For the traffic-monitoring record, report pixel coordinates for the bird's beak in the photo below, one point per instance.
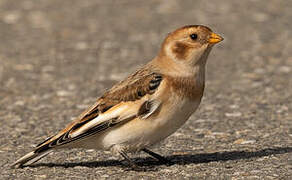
(215, 38)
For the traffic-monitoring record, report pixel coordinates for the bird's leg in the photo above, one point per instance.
(131, 163)
(157, 156)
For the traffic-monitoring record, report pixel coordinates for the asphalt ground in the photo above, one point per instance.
(57, 57)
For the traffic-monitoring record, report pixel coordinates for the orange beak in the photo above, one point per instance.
(215, 38)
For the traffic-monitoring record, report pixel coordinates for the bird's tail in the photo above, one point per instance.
(30, 158)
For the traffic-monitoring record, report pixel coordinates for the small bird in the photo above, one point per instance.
(146, 107)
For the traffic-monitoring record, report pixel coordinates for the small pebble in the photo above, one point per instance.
(63, 93)
(243, 141)
(81, 45)
(234, 114)
(284, 69)
(11, 17)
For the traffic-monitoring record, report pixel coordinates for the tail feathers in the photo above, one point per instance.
(30, 158)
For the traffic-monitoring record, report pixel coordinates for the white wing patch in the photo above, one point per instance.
(120, 112)
(151, 107)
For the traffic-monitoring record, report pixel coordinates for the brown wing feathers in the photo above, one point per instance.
(131, 89)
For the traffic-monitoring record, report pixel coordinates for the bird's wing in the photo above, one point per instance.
(121, 103)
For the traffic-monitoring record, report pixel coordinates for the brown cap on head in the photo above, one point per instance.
(203, 33)
(189, 41)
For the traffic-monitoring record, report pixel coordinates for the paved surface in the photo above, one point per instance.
(57, 57)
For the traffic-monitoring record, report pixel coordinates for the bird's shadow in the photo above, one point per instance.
(179, 159)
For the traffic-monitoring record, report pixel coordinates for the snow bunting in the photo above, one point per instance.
(146, 107)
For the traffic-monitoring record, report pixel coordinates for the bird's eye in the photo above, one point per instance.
(194, 36)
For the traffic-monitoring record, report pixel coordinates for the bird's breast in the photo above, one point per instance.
(173, 115)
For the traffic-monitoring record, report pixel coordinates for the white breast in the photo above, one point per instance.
(139, 133)
(172, 118)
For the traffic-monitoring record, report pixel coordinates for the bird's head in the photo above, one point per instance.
(189, 45)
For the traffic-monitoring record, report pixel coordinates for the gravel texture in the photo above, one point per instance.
(57, 57)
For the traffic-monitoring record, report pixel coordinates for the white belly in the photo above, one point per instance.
(140, 133)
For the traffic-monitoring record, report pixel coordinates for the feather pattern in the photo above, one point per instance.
(107, 112)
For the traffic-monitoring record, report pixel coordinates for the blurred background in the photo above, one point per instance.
(57, 57)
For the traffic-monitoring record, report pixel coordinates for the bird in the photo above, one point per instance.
(146, 107)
